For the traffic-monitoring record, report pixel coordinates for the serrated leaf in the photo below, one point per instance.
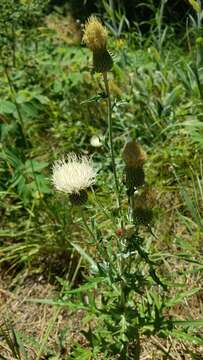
(69, 304)
(180, 335)
(186, 323)
(178, 299)
(96, 98)
(85, 287)
(81, 354)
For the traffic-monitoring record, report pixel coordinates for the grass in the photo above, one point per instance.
(51, 104)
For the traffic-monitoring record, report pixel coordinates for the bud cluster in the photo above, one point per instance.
(141, 198)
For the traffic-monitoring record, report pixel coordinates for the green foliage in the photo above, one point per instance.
(26, 176)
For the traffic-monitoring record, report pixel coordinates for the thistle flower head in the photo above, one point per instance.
(73, 174)
(95, 38)
(95, 34)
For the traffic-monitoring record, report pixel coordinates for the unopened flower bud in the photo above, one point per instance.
(143, 205)
(133, 154)
(102, 61)
(134, 158)
(142, 216)
(134, 178)
(95, 37)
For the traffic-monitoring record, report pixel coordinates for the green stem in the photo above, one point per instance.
(87, 227)
(111, 137)
(72, 282)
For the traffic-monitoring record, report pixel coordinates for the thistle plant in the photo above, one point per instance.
(128, 295)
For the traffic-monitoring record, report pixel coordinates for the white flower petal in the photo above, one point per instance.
(95, 141)
(73, 174)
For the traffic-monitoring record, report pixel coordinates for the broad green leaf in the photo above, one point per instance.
(42, 99)
(7, 107)
(34, 165)
(41, 184)
(23, 96)
(29, 110)
(196, 6)
(8, 130)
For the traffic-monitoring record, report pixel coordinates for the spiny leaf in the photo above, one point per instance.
(180, 335)
(177, 299)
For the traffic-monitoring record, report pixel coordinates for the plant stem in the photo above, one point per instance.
(138, 347)
(111, 136)
(87, 227)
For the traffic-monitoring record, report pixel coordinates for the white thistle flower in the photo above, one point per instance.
(73, 174)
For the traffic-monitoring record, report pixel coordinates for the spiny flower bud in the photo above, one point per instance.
(143, 205)
(134, 177)
(142, 216)
(95, 34)
(133, 154)
(102, 61)
(95, 37)
(134, 158)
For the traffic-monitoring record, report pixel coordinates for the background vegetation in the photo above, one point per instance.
(51, 104)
